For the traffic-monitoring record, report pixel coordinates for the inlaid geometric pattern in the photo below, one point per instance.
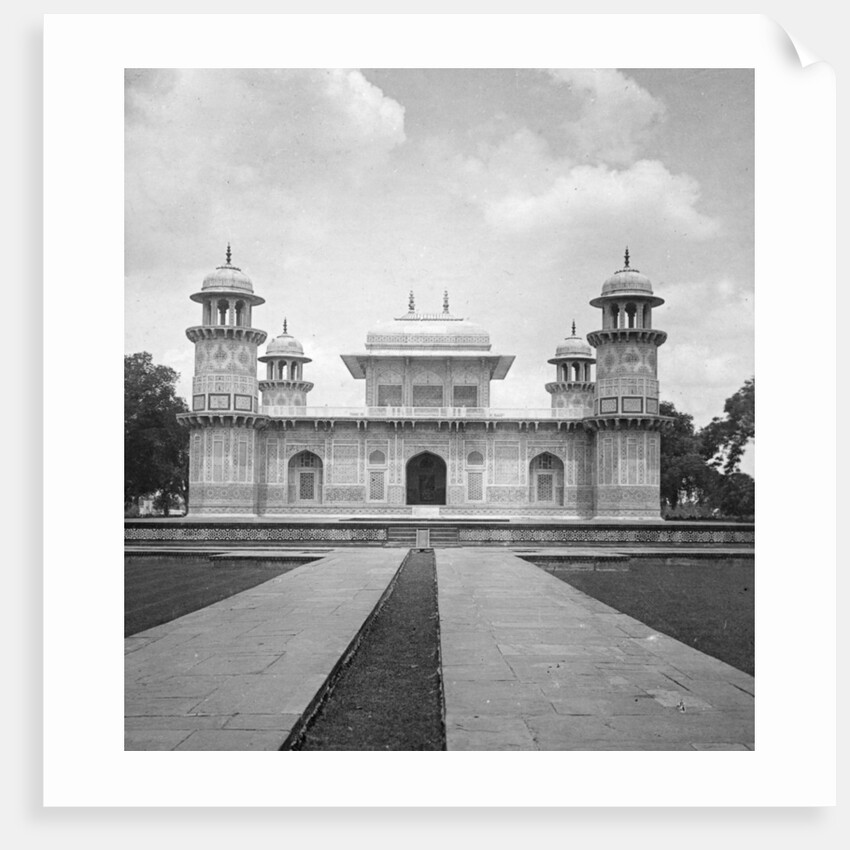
(376, 486)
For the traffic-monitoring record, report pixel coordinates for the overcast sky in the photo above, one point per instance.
(515, 190)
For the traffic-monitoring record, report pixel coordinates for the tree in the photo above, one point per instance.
(685, 476)
(724, 439)
(736, 495)
(156, 447)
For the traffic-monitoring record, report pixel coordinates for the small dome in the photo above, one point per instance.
(573, 347)
(627, 280)
(227, 280)
(228, 277)
(284, 345)
(428, 330)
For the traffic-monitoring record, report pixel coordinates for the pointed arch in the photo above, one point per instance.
(425, 477)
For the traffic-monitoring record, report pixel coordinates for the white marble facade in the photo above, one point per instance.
(426, 434)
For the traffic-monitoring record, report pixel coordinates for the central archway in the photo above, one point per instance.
(426, 480)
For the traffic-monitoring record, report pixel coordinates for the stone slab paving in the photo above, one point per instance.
(530, 663)
(239, 674)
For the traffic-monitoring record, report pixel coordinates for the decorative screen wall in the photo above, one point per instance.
(376, 486)
(389, 395)
(427, 396)
(507, 464)
(344, 468)
(465, 396)
(475, 488)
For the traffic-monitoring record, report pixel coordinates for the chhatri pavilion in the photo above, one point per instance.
(426, 441)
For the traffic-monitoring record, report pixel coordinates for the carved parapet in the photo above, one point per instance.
(619, 421)
(207, 419)
(597, 338)
(251, 335)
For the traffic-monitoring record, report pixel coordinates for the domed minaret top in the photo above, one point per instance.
(573, 387)
(284, 346)
(625, 283)
(284, 385)
(228, 280)
(573, 347)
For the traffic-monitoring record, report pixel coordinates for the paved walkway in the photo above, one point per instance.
(238, 674)
(530, 663)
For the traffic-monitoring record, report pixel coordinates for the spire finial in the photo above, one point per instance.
(574, 327)
(227, 255)
(411, 304)
(445, 301)
(284, 324)
(627, 256)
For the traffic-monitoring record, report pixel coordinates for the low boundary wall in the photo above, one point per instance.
(177, 532)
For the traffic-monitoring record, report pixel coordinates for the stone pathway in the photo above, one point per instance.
(530, 663)
(239, 674)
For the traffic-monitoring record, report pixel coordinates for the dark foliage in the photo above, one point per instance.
(724, 439)
(685, 475)
(699, 468)
(156, 447)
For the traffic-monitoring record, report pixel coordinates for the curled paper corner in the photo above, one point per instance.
(793, 46)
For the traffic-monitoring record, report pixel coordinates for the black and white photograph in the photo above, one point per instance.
(439, 409)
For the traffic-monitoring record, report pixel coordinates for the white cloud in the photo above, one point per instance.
(586, 196)
(521, 188)
(597, 180)
(616, 116)
(256, 152)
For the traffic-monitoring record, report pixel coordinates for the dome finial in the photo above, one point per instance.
(227, 254)
(411, 304)
(574, 327)
(284, 324)
(445, 301)
(627, 256)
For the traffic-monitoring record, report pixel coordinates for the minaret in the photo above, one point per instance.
(626, 400)
(572, 389)
(224, 394)
(284, 385)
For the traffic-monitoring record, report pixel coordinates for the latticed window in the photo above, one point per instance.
(306, 486)
(545, 491)
(308, 460)
(475, 489)
(544, 462)
(376, 486)
(465, 396)
(427, 396)
(389, 395)
(377, 458)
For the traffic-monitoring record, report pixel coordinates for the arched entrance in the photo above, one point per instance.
(546, 480)
(305, 479)
(426, 480)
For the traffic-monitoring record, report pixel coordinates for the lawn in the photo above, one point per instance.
(160, 588)
(705, 603)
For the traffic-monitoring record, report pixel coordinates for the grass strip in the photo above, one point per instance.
(389, 695)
